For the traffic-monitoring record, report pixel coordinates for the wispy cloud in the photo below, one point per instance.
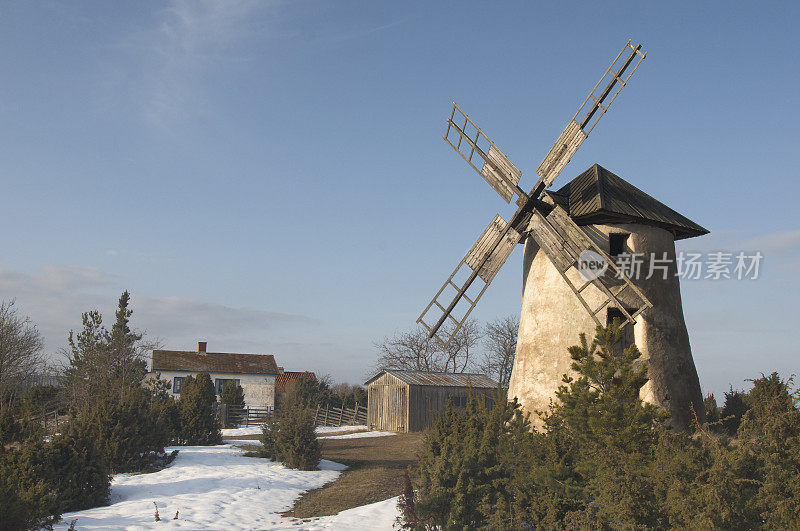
(775, 241)
(187, 42)
(55, 296)
(360, 33)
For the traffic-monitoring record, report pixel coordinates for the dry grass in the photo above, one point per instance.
(375, 473)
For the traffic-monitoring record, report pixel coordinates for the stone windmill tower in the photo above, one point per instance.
(625, 223)
(546, 220)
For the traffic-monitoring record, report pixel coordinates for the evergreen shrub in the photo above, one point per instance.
(291, 439)
(198, 419)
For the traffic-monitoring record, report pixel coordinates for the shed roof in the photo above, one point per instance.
(598, 196)
(183, 360)
(439, 379)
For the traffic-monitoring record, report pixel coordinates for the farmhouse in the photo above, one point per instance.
(256, 373)
(404, 401)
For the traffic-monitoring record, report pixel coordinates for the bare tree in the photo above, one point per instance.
(500, 346)
(462, 347)
(20, 350)
(414, 351)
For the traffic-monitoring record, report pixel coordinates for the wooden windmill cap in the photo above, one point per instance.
(599, 197)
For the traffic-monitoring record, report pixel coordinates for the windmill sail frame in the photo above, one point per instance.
(484, 259)
(497, 170)
(561, 236)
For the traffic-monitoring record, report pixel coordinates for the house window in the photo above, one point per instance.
(221, 383)
(177, 383)
(616, 243)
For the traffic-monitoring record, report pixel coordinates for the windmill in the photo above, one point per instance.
(558, 236)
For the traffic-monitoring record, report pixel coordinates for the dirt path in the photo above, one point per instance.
(375, 473)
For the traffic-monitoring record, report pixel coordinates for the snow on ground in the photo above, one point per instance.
(217, 487)
(359, 435)
(238, 442)
(256, 430)
(329, 429)
(238, 432)
(379, 515)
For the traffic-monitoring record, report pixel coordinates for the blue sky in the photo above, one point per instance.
(270, 176)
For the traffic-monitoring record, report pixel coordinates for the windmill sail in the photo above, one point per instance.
(475, 147)
(455, 300)
(586, 117)
(563, 242)
(556, 233)
(494, 237)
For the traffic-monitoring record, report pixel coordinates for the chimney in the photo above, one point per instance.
(201, 347)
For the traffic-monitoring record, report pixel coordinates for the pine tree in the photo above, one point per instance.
(712, 409)
(232, 395)
(128, 367)
(198, 420)
(464, 468)
(39, 480)
(606, 460)
(770, 432)
(295, 442)
(86, 376)
(406, 505)
(268, 439)
(132, 433)
(103, 365)
(733, 410)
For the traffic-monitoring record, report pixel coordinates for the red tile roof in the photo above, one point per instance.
(182, 360)
(286, 378)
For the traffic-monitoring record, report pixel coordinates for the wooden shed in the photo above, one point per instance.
(403, 401)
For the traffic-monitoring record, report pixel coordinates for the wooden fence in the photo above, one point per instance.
(244, 415)
(50, 420)
(338, 416)
(323, 416)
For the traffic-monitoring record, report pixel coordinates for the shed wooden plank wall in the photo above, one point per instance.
(427, 402)
(388, 404)
(399, 407)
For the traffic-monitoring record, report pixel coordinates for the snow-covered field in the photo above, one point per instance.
(238, 432)
(216, 487)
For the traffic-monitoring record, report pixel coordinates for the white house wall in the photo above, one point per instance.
(259, 389)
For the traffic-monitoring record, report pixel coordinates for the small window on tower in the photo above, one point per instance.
(616, 243)
(614, 313)
(627, 331)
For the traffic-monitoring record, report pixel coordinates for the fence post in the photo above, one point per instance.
(326, 416)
